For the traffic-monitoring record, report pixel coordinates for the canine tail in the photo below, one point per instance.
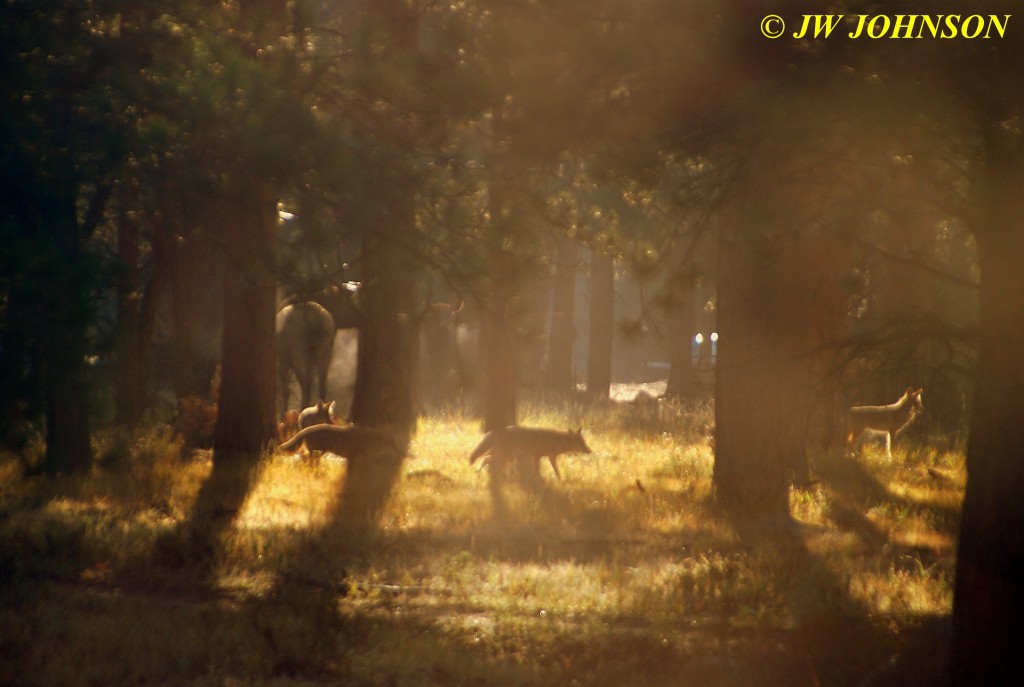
(296, 441)
(482, 448)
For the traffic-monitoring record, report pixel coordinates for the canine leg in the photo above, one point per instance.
(888, 445)
(554, 466)
(528, 469)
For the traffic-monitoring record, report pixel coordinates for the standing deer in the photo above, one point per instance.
(305, 337)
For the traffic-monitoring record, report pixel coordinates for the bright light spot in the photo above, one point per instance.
(699, 338)
(714, 336)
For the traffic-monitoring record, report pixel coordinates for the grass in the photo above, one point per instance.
(623, 573)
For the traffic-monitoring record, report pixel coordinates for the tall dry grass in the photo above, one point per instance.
(621, 573)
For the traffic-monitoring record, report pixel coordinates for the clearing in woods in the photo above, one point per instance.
(622, 573)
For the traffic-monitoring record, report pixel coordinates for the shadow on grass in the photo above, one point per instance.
(302, 628)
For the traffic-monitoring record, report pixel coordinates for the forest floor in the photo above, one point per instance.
(622, 573)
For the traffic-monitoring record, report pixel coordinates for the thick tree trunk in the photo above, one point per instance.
(245, 410)
(989, 593)
(68, 446)
(385, 367)
(602, 324)
(197, 312)
(383, 395)
(752, 423)
(62, 339)
(559, 375)
(780, 318)
(498, 351)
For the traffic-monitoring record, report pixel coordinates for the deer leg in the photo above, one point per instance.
(282, 380)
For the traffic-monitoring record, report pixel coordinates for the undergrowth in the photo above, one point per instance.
(621, 573)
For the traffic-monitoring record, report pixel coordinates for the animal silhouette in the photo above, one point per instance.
(305, 337)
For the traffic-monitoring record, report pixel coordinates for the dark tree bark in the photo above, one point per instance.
(136, 316)
(602, 324)
(988, 599)
(752, 427)
(383, 394)
(682, 376)
(499, 349)
(197, 312)
(781, 311)
(388, 339)
(65, 306)
(245, 409)
(559, 375)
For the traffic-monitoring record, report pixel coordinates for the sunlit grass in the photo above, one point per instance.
(618, 568)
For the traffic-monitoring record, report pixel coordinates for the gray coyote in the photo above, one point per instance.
(526, 446)
(347, 442)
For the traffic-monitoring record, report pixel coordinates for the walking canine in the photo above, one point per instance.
(889, 420)
(346, 442)
(526, 446)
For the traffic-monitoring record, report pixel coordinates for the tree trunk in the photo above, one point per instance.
(780, 317)
(388, 338)
(752, 427)
(388, 341)
(127, 402)
(197, 312)
(682, 377)
(136, 317)
(245, 409)
(499, 345)
(149, 311)
(498, 351)
(62, 339)
(988, 599)
(602, 324)
(559, 375)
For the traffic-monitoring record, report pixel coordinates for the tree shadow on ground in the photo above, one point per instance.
(841, 638)
(870, 490)
(195, 543)
(301, 628)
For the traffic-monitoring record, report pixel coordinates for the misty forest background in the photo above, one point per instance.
(581, 186)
